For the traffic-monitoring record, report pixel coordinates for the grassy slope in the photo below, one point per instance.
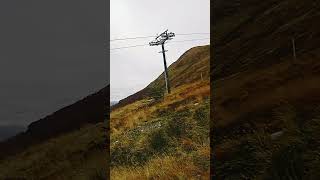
(78, 155)
(167, 138)
(187, 69)
(258, 90)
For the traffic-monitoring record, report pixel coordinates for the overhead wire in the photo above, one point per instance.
(188, 40)
(126, 47)
(129, 38)
(141, 45)
(192, 34)
(143, 37)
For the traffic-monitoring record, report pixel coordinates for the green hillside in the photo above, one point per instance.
(188, 68)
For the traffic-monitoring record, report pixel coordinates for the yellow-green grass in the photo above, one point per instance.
(131, 115)
(165, 139)
(164, 167)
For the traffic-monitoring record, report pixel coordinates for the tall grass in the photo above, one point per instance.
(292, 156)
(170, 145)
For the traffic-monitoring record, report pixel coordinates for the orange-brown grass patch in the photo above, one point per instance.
(129, 116)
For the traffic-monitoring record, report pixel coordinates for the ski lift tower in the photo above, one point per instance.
(161, 40)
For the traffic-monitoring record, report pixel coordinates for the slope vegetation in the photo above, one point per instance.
(266, 102)
(164, 136)
(187, 69)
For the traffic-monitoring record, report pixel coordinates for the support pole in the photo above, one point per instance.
(166, 75)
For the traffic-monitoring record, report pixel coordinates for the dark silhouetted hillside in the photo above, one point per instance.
(90, 110)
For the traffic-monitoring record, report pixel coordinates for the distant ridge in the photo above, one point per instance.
(7, 131)
(113, 103)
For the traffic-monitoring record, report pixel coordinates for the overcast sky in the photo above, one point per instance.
(134, 68)
(51, 55)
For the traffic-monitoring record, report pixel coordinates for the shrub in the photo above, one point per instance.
(129, 154)
(201, 115)
(201, 130)
(119, 155)
(157, 93)
(158, 140)
(179, 124)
